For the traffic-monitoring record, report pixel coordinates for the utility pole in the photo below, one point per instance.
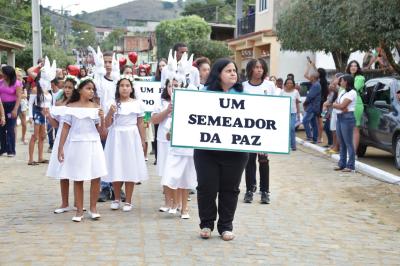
(36, 32)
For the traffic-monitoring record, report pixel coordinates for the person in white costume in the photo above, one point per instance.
(39, 99)
(55, 117)
(124, 146)
(175, 164)
(106, 74)
(83, 157)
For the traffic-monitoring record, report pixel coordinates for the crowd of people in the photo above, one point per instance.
(98, 130)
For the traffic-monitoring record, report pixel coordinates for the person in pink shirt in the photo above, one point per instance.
(10, 96)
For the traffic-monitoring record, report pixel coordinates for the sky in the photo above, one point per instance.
(86, 5)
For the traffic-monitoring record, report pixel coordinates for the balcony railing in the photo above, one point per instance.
(246, 25)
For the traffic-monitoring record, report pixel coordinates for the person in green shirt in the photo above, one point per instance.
(354, 69)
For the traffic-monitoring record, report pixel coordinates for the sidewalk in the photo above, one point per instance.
(316, 217)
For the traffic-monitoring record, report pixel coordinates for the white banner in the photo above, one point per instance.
(149, 92)
(226, 121)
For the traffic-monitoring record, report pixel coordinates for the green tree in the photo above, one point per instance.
(221, 11)
(16, 22)
(340, 27)
(116, 37)
(184, 29)
(23, 58)
(210, 49)
(380, 22)
(328, 26)
(84, 34)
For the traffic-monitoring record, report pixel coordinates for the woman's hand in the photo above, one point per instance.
(46, 112)
(169, 108)
(113, 109)
(101, 113)
(168, 136)
(2, 120)
(61, 155)
(14, 113)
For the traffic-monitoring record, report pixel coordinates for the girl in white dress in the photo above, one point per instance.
(83, 157)
(125, 141)
(55, 118)
(162, 116)
(179, 174)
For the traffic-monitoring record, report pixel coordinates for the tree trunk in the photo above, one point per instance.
(340, 58)
(389, 56)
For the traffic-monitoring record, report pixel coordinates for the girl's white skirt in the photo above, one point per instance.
(83, 160)
(162, 152)
(53, 170)
(124, 156)
(179, 172)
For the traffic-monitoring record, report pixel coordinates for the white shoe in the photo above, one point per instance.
(185, 216)
(163, 209)
(172, 211)
(77, 218)
(114, 205)
(127, 207)
(62, 210)
(146, 159)
(94, 216)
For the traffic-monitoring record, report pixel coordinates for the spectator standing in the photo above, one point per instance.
(345, 107)
(353, 68)
(10, 96)
(289, 90)
(312, 105)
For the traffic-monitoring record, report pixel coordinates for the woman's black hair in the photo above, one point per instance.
(359, 72)
(349, 80)
(157, 76)
(80, 76)
(75, 94)
(324, 85)
(39, 90)
(125, 67)
(288, 80)
(73, 86)
(9, 72)
(252, 64)
(164, 94)
(214, 81)
(118, 95)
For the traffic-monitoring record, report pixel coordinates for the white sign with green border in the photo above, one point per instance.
(149, 92)
(230, 121)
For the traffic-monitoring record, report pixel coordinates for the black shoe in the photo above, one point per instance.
(264, 197)
(155, 162)
(123, 196)
(248, 197)
(104, 195)
(254, 189)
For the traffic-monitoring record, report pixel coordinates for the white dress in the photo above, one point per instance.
(123, 150)
(83, 154)
(53, 170)
(162, 142)
(179, 171)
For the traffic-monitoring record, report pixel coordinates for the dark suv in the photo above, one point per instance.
(380, 125)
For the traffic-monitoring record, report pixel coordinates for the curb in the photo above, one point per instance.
(360, 167)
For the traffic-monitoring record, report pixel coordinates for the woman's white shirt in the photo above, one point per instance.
(352, 96)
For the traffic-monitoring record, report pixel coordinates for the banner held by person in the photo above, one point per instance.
(149, 92)
(225, 121)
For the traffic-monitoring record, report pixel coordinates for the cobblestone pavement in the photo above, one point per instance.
(316, 217)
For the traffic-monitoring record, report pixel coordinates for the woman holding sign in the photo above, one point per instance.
(219, 172)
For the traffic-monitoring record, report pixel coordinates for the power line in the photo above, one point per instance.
(26, 22)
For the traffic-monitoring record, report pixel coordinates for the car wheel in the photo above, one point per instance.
(362, 149)
(397, 153)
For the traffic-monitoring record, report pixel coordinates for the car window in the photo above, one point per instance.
(382, 93)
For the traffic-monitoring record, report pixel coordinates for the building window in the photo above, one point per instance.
(263, 5)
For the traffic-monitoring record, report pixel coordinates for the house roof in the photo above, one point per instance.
(9, 45)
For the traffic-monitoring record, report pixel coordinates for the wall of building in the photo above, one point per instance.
(264, 19)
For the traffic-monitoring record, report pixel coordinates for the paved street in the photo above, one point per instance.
(316, 217)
